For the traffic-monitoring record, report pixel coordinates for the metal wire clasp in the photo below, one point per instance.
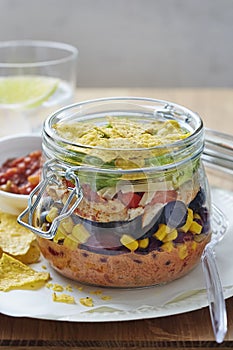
(52, 172)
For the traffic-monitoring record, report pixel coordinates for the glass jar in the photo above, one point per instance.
(124, 199)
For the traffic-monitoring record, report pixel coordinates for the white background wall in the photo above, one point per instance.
(158, 43)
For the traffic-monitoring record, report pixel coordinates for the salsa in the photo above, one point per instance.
(20, 175)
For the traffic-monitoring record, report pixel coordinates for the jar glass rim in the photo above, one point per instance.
(175, 107)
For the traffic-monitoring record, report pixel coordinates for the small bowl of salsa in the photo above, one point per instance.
(20, 166)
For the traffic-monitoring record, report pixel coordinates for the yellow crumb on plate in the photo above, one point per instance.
(79, 288)
(96, 292)
(86, 301)
(69, 288)
(57, 287)
(63, 298)
(106, 297)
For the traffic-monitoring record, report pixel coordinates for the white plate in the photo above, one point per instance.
(183, 295)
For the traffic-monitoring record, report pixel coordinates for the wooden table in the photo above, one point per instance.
(185, 331)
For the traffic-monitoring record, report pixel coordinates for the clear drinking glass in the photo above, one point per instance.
(36, 78)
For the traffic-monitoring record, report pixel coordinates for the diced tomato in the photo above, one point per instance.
(69, 184)
(164, 197)
(15, 173)
(129, 199)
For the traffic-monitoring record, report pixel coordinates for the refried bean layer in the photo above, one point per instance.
(122, 270)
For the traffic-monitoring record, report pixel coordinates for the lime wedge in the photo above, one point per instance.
(26, 91)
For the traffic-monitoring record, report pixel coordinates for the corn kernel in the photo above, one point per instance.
(143, 243)
(67, 224)
(194, 245)
(52, 214)
(195, 228)
(62, 230)
(199, 238)
(59, 236)
(182, 251)
(168, 246)
(70, 242)
(162, 231)
(196, 216)
(129, 242)
(189, 221)
(170, 236)
(80, 233)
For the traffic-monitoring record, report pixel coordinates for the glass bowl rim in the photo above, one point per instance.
(72, 52)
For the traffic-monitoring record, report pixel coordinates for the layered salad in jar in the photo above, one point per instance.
(143, 218)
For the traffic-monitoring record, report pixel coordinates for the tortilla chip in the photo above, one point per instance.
(32, 256)
(16, 275)
(16, 240)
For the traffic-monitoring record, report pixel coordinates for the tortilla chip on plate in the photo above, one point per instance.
(32, 255)
(16, 240)
(16, 275)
